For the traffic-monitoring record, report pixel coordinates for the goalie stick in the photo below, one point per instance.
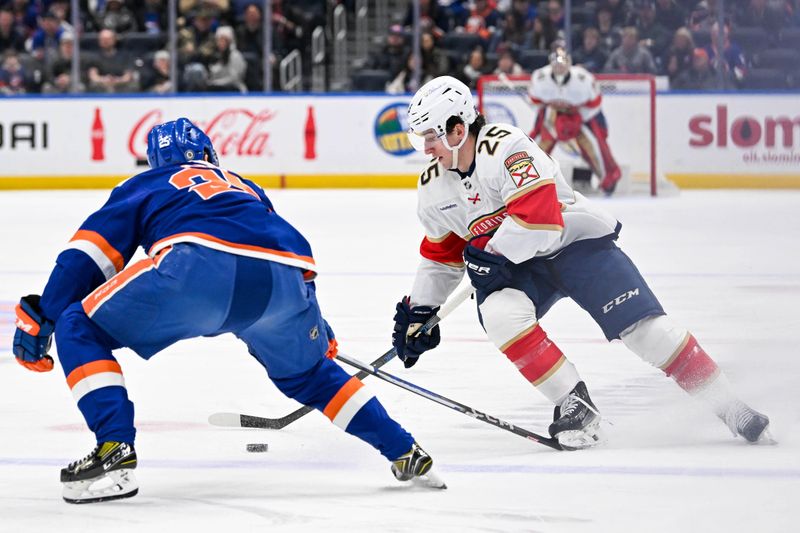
(225, 419)
(456, 406)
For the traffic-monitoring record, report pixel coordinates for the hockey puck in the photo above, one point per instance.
(256, 447)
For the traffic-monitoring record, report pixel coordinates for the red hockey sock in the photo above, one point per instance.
(691, 368)
(534, 355)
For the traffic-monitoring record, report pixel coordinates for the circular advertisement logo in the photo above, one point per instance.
(391, 126)
(496, 112)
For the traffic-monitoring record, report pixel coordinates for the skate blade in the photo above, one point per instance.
(430, 480)
(765, 439)
(580, 439)
(115, 485)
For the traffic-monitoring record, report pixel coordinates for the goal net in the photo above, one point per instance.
(629, 105)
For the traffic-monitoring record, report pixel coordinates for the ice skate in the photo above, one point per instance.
(417, 466)
(748, 423)
(609, 183)
(103, 475)
(576, 422)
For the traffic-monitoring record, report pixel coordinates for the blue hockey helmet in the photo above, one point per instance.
(176, 142)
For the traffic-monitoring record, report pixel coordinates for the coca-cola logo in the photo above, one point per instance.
(239, 132)
(743, 131)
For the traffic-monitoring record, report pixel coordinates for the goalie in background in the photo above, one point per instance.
(220, 260)
(568, 111)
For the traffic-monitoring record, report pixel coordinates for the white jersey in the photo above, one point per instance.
(515, 191)
(578, 91)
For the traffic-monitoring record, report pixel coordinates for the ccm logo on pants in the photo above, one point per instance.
(619, 299)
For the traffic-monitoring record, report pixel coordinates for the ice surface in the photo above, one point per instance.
(725, 264)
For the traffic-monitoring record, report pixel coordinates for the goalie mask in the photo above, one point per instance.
(178, 141)
(560, 61)
(432, 105)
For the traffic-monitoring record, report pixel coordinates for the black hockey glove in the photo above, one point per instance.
(487, 272)
(410, 347)
(33, 335)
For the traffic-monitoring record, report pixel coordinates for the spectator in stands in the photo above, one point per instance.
(58, 80)
(543, 34)
(44, 43)
(228, 68)
(702, 16)
(110, 70)
(484, 20)
(114, 15)
(219, 9)
(250, 33)
(670, 14)
(555, 13)
(620, 11)
(434, 60)
(680, 55)
(630, 57)
(287, 27)
(10, 36)
(26, 16)
(507, 63)
(590, 55)
(524, 12)
(13, 79)
(431, 14)
(151, 16)
(196, 41)
(474, 68)
(394, 54)
(700, 77)
(731, 62)
(60, 8)
(652, 34)
(515, 33)
(404, 81)
(760, 13)
(610, 33)
(155, 78)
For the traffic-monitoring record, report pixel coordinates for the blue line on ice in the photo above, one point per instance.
(688, 471)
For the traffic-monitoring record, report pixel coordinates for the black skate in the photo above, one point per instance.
(576, 422)
(416, 466)
(748, 423)
(103, 475)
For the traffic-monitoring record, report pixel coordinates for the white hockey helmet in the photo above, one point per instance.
(433, 104)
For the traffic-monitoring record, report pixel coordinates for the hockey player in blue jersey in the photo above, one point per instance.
(220, 260)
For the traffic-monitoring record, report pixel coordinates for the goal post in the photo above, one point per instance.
(629, 106)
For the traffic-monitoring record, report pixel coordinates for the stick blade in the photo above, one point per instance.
(225, 420)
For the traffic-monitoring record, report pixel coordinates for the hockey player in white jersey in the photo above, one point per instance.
(496, 205)
(568, 109)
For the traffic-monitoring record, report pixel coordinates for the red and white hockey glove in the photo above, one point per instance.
(568, 126)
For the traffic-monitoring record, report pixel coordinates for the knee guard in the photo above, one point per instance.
(509, 318)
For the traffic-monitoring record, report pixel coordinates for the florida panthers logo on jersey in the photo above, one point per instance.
(520, 167)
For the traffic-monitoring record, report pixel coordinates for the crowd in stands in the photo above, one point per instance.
(123, 44)
(123, 48)
(678, 39)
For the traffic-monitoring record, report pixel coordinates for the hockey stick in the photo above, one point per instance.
(456, 406)
(258, 422)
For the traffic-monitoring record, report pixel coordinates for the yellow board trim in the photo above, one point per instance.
(268, 181)
(735, 181)
(390, 181)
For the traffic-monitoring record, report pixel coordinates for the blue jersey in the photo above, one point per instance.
(193, 202)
